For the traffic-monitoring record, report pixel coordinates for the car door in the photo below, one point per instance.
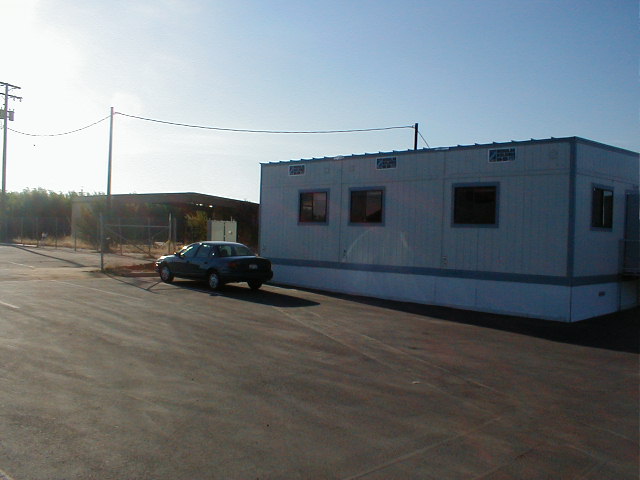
(182, 266)
(199, 264)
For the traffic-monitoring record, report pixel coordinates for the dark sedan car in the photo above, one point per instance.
(218, 263)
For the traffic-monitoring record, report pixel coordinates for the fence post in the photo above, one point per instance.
(174, 232)
(101, 240)
(169, 237)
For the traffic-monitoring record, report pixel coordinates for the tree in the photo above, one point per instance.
(197, 226)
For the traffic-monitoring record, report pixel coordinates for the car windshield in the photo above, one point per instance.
(189, 250)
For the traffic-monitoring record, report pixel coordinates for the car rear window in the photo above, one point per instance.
(242, 251)
(234, 251)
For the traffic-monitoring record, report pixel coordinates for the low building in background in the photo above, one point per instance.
(190, 213)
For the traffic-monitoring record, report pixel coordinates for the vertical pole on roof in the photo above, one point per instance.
(415, 137)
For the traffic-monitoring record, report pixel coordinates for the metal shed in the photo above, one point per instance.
(220, 208)
(540, 228)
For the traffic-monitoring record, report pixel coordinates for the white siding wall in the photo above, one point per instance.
(532, 238)
(281, 236)
(594, 300)
(550, 302)
(597, 252)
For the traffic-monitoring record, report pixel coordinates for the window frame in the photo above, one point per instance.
(496, 222)
(382, 206)
(326, 210)
(603, 226)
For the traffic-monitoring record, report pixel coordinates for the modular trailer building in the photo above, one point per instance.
(539, 228)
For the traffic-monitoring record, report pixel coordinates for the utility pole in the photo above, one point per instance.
(5, 118)
(107, 213)
(109, 165)
(415, 137)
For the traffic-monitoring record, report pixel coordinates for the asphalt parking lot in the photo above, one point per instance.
(110, 377)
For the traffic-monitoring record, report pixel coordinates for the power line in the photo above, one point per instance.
(423, 139)
(245, 130)
(63, 133)
(223, 129)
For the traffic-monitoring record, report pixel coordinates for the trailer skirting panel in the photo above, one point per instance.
(557, 300)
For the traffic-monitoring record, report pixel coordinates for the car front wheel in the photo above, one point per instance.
(214, 281)
(165, 274)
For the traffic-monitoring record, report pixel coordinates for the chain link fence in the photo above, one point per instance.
(39, 231)
(147, 235)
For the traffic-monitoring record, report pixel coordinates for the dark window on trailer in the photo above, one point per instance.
(313, 207)
(475, 205)
(602, 208)
(366, 206)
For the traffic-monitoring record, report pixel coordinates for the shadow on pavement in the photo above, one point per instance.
(245, 294)
(32, 251)
(618, 331)
(130, 282)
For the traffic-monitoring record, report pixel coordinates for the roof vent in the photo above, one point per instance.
(296, 170)
(385, 163)
(499, 155)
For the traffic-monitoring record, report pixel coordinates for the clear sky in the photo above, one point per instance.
(468, 71)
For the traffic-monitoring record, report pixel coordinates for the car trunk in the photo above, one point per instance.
(249, 264)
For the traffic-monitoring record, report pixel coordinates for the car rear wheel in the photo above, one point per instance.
(165, 274)
(253, 285)
(214, 281)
